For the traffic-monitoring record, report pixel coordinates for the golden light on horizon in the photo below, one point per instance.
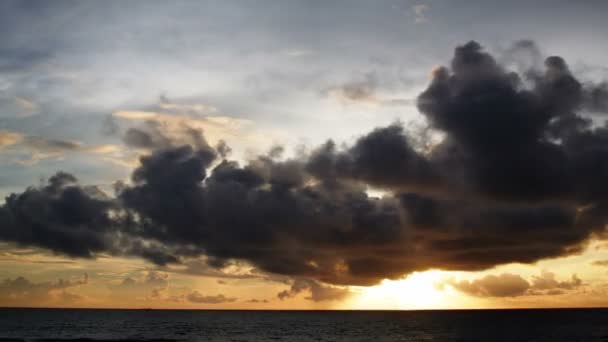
(418, 291)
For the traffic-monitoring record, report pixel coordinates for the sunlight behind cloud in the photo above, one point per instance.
(420, 290)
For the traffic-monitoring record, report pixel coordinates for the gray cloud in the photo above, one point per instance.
(600, 263)
(504, 285)
(547, 281)
(365, 90)
(197, 297)
(255, 300)
(151, 285)
(513, 285)
(51, 145)
(21, 290)
(317, 292)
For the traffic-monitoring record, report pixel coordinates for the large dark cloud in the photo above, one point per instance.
(519, 175)
(61, 216)
(71, 219)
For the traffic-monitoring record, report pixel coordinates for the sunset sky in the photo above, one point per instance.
(393, 154)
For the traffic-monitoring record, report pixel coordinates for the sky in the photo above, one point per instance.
(393, 154)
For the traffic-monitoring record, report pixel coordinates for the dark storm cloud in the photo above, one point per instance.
(597, 97)
(496, 130)
(263, 212)
(518, 175)
(383, 158)
(469, 234)
(60, 216)
(72, 220)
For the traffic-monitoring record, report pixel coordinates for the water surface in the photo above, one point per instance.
(194, 325)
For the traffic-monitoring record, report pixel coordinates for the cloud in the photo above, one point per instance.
(318, 292)
(356, 91)
(9, 138)
(51, 145)
(420, 11)
(22, 291)
(504, 285)
(513, 285)
(28, 107)
(155, 286)
(31, 256)
(70, 219)
(151, 285)
(174, 121)
(518, 175)
(547, 281)
(364, 91)
(216, 268)
(258, 301)
(40, 147)
(600, 263)
(597, 97)
(60, 216)
(525, 55)
(197, 297)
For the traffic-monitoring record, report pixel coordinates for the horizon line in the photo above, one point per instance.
(304, 310)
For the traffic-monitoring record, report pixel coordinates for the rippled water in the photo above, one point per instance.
(186, 325)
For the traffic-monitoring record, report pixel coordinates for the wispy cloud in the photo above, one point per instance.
(197, 297)
(420, 11)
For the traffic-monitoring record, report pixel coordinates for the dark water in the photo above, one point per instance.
(134, 325)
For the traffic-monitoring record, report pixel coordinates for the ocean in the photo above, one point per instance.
(195, 325)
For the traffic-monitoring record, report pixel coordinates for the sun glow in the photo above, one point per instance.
(419, 290)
